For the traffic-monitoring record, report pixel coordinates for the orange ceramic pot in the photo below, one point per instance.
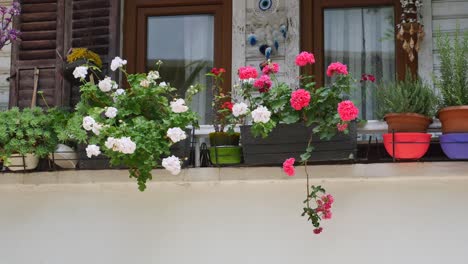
(454, 119)
(407, 122)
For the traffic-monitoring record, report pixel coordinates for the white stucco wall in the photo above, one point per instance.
(378, 219)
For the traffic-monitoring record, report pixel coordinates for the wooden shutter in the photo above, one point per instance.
(50, 28)
(94, 24)
(41, 24)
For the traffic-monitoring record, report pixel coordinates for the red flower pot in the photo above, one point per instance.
(407, 145)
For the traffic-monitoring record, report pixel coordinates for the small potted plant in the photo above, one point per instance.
(25, 136)
(134, 127)
(284, 118)
(81, 57)
(224, 141)
(407, 106)
(453, 86)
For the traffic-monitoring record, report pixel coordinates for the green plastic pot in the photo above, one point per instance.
(224, 139)
(225, 155)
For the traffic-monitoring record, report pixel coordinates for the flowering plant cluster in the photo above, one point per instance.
(134, 127)
(8, 34)
(271, 102)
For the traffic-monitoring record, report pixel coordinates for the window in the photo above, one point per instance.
(359, 33)
(190, 37)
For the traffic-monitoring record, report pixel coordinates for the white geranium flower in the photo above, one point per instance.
(80, 72)
(153, 76)
(119, 92)
(111, 112)
(247, 81)
(88, 123)
(96, 128)
(117, 62)
(261, 115)
(107, 84)
(163, 84)
(145, 83)
(176, 134)
(178, 106)
(110, 143)
(172, 164)
(92, 150)
(239, 109)
(126, 145)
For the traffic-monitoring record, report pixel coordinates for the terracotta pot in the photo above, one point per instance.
(407, 122)
(454, 119)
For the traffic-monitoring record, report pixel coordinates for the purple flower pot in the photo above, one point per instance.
(455, 145)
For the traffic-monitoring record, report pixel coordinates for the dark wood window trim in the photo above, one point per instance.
(312, 32)
(135, 28)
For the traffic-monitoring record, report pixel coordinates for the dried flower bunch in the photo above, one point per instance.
(411, 29)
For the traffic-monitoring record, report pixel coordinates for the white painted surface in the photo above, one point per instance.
(412, 219)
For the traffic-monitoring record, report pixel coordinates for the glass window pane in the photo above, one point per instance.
(185, 44)
(363, 39)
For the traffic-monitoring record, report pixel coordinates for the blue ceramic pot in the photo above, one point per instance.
(455, 145)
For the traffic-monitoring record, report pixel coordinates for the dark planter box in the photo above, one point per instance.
(287, 141)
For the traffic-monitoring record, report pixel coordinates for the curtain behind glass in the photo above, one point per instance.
(185, 44)
(363, 39)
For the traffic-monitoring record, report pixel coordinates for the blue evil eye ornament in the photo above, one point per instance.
(252, 39)
(283, 30)
(265, 50)
(264, 5)
(276, 43)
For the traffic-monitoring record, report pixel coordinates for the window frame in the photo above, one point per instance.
(135, 29)
(312, 34)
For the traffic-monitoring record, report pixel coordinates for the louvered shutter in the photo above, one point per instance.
(41, 24)
(94, 25)
(50, 28)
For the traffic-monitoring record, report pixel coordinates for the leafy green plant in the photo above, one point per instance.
(27, 131)
(453, 79)
(134, 127)
(411, 95)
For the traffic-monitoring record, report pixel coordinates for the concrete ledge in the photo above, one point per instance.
(353, 172)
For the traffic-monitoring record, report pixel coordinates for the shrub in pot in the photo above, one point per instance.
(134, 127)
(224, 142)
(452, 81)
(453, 85)
(407, 105)
(25, 136)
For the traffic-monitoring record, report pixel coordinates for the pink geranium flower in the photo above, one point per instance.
(338, 68)
(288, 167)
(318, 230)
(300, 99)
(271, 68)
(347, 111)
(342, 127)
(304, 58)
(263, 83)
(247, 72)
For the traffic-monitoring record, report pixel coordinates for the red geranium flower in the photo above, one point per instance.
(338, 68)
(227, 105)
(300, 99)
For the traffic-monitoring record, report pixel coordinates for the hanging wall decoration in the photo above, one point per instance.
(410, 30)
(267, 28)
